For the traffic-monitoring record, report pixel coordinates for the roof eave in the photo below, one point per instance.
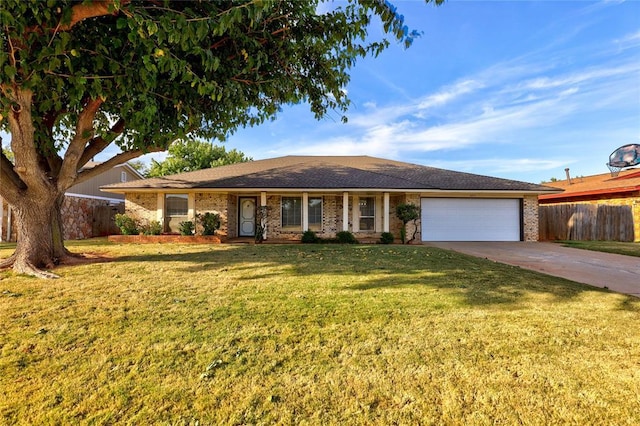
(611, 191)
(350, 189)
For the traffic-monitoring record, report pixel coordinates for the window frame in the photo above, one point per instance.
(368, 217)
(291, 227)
(176, 213)
(315, 226)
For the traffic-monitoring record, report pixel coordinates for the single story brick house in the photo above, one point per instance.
(330, 194)
(596, 207)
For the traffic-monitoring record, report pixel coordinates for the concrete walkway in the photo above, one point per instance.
(616, 272)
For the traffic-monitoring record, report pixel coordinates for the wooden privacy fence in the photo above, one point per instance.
(586, 222)
(104, 220)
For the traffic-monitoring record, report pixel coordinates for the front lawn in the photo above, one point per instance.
(306, 334)
(616, 247)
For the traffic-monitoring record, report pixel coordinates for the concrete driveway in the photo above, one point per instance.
(613, 271)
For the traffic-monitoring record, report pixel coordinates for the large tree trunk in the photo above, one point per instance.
(39, 234)
(31, 186)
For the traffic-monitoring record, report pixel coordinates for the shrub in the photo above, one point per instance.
(127, 225)
(153, 228)
(407, 213)
(187, 228)
(210, 223)
(346, 237)
(262, 214)
(310, 237)
(386, 238)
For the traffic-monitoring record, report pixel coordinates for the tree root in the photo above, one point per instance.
(8, 262)
(29, 269)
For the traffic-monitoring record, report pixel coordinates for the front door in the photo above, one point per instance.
(247, 215)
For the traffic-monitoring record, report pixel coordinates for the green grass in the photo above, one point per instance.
(306, 334)
(616, 247)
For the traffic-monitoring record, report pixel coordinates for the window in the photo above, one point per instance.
(176, 210)
(123, 176)
(367, 213)
(315, 214)
(292, 213)
(177, 204)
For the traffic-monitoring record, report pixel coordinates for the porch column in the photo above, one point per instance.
(305, 211)
(160, 208)
(263, 205)
(355, 214)
(385, 212)
(345, 211)
(191, 205)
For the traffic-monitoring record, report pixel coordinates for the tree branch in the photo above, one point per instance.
(83, 133)
(10, 182)
(98, 144)
(82, 11)
(116, 160)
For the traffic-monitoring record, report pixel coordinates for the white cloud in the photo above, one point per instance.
(505, 165)
(449, 94)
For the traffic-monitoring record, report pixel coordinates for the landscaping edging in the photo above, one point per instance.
(159, 239)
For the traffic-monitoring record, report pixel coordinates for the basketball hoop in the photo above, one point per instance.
(614, 170)
(624, 157)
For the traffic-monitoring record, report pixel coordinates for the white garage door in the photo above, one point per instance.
(464, 219)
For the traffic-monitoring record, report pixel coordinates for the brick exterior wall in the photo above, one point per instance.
(77, 217)
(414, 199)
(232, 217)
(332, 214)
(142, 207)
(530, 218)
(214, 203)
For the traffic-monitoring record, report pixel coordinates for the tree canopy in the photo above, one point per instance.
(79, 77)
(190, 155)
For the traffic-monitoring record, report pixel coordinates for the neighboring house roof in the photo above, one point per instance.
(92, 164)
(327, 172)
(596, 186)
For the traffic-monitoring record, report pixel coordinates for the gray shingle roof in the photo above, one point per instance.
(331, 173)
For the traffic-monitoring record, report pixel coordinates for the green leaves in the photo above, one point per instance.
(190, 155)
(175, 68)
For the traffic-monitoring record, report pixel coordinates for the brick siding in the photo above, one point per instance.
(144, 207)
(530, 218)
(214, 203)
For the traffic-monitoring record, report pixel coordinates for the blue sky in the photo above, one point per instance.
(511, 89)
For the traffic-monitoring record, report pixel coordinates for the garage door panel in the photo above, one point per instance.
(463, 219)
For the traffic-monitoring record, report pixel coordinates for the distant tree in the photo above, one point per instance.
(131, 76)
(190, 155)
(139, 166)
(553, 179)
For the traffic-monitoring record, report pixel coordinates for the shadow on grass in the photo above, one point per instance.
(471, 280)
(499, 287)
